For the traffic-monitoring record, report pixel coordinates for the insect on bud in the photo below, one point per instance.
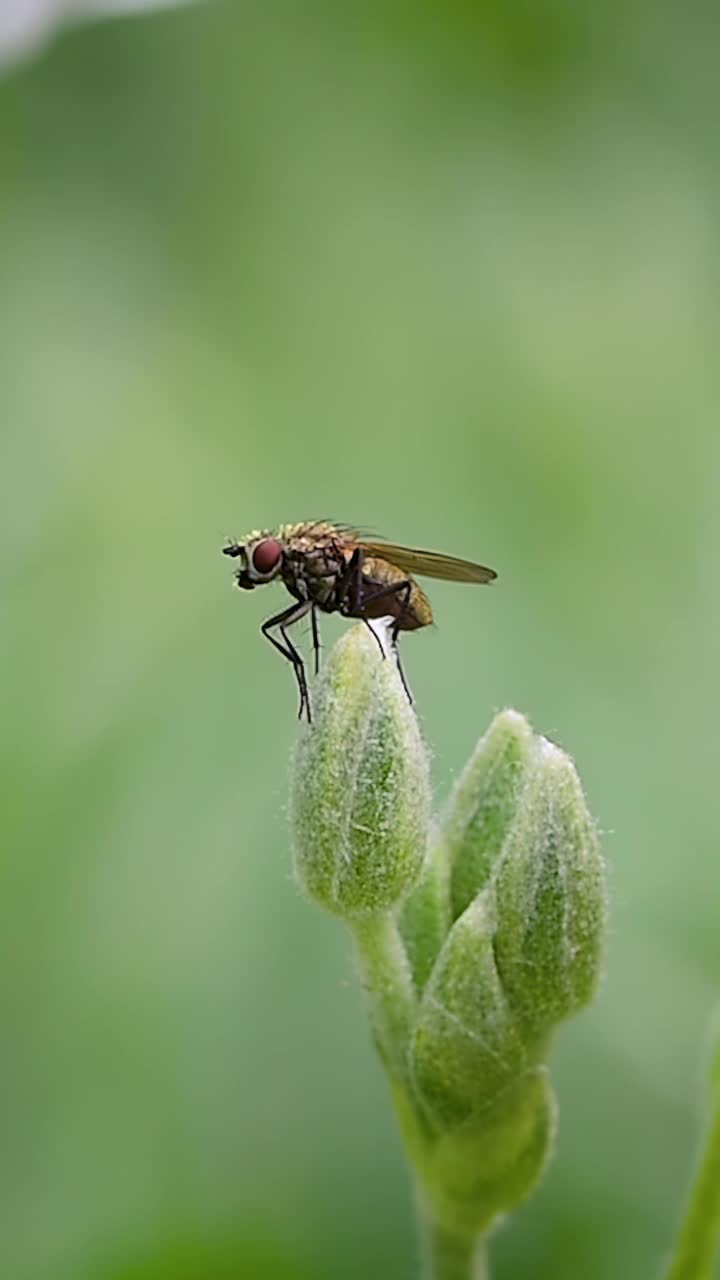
(360, 795)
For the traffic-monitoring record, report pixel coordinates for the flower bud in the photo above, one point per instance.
(360, 799)
(551, 897)
(466, 1047)
(425, 916)
(491, 1163)
(483, 804)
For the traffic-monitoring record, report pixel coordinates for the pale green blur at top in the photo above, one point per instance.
(450, 272)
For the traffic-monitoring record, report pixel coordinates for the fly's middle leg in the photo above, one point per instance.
(315, 637)
(404, 590)
(355, 607)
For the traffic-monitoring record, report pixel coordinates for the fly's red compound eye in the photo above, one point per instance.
(266, 555)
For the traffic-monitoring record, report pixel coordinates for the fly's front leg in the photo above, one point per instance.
(299, 666)
(288, 650)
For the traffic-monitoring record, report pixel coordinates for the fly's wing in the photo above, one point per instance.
(429, 563)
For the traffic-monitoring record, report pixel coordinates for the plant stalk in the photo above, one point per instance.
(698, 1238)
(387, 978)
(449, 1256)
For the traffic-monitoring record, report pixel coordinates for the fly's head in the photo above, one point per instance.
(260, 557)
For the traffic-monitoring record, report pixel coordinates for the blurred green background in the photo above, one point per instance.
(449, 271)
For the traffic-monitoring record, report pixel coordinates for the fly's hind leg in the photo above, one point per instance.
(394, 637)
(401, 673)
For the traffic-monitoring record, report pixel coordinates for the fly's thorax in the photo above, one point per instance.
(307, 534)
(311, 570)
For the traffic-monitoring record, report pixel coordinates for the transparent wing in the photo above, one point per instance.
(429, 563)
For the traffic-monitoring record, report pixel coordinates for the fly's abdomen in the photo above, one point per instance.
(408, 606)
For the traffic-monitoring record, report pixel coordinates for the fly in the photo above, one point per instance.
(333, 568)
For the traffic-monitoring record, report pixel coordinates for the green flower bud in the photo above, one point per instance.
(360, 798)
(466, 1047)
(551, 897)
(425, 917)
(483, 804)
(494, 1160)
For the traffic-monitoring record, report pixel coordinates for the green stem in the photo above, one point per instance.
(448, 1256)
(698, 1239)
(386, 976)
